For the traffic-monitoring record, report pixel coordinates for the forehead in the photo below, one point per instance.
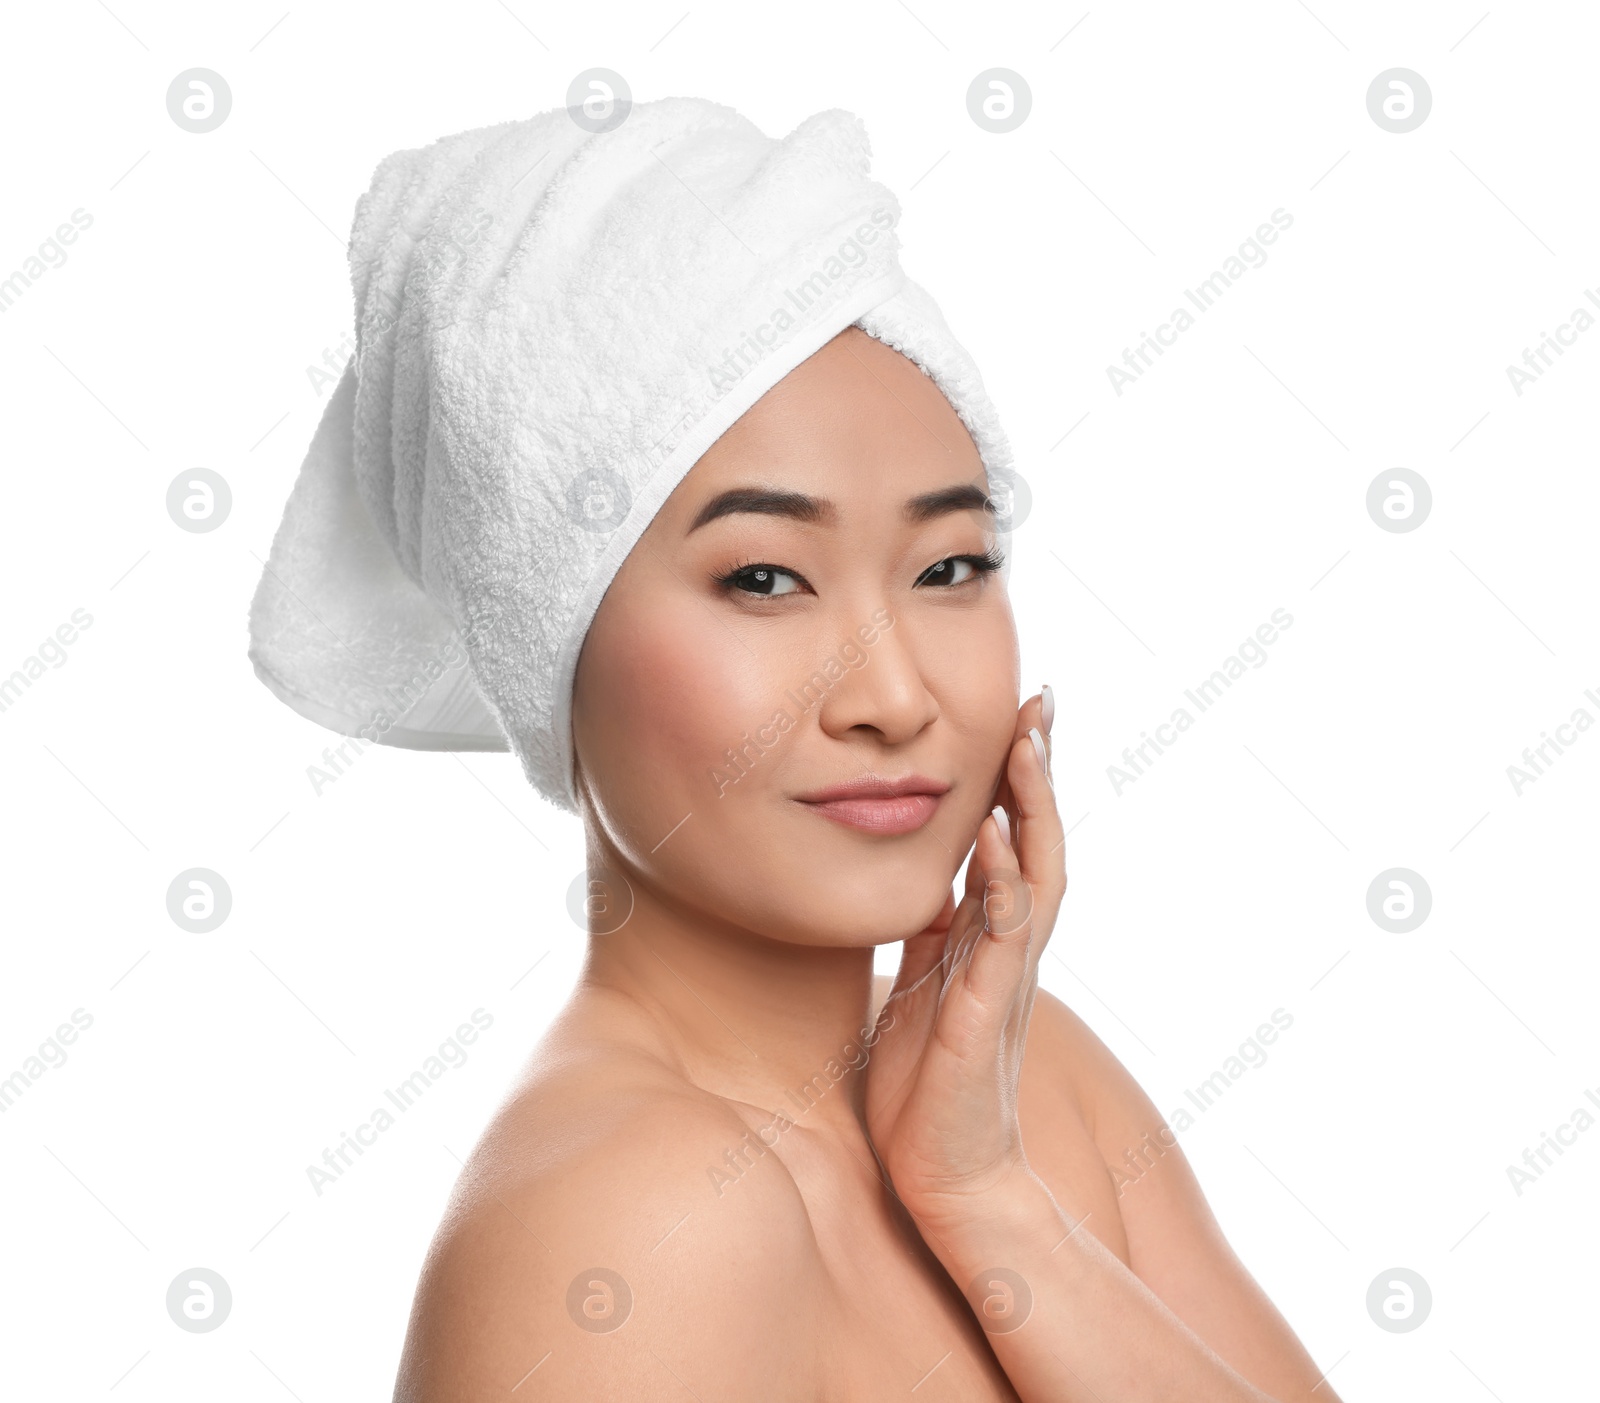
(856, 422)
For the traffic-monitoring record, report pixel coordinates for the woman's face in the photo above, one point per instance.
(833, 625)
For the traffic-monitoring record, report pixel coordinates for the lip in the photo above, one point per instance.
(876, 805)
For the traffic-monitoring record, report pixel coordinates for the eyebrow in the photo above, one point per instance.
(765, 501)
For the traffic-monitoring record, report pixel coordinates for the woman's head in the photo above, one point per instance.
(554, 325)
(835, 618)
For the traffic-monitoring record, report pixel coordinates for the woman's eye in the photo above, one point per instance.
(764, 580)
(958, 569)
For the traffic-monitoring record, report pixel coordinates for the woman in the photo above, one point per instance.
(737, 1165)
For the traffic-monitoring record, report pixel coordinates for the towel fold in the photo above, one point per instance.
(552, 325)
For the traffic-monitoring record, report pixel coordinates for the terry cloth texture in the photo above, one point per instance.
(552, 325)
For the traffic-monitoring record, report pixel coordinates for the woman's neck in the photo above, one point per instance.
(779, 1026)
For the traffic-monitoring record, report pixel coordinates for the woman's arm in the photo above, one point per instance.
(1067, 1321)
(1174, 1242)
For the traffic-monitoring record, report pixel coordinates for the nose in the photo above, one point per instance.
(883, 689)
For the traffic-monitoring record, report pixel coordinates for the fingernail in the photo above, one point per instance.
(1001, 819)
(1038, 749)
(1047, 708)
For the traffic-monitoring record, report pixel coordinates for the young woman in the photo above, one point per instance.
(726, 1173)
(776, 674)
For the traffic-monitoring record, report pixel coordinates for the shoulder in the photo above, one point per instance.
(1075, 1059)
(615, 1229)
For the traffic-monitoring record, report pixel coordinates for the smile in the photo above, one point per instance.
(904, 814)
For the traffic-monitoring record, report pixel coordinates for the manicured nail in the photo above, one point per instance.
(1038, 749)
(1047, 708)
(1001, 819)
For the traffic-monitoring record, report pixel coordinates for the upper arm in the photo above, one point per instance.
(1175, 1244)
(617, 1270)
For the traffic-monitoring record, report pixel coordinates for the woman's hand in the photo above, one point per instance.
(941, 1086)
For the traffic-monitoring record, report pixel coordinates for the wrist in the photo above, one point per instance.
(961, 1227)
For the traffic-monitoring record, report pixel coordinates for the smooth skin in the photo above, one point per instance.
(738, 1166)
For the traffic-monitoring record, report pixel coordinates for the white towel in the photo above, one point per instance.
(552, 325)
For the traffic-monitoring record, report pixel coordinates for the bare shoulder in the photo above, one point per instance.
(1076, 1058)
(603, 1240)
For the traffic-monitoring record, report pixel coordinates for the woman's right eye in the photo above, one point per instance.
(763, 580)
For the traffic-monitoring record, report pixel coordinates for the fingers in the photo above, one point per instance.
(914, 995)
(999, 967)
(1040, 839)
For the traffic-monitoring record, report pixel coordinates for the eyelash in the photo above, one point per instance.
(984, 564)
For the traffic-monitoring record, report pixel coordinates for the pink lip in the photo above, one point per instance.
(904, 814)
(878, 805)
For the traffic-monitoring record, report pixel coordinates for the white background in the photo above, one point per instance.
(1230, 880)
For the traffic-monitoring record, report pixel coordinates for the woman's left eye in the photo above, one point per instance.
(955, 570)
(763, 580)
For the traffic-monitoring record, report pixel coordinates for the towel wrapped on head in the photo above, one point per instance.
(552, 325)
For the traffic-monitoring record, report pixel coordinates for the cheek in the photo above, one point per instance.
(978, 671)
(662, 700)
(974, 670)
